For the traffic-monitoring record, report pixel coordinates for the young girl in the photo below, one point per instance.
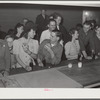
(72, 48)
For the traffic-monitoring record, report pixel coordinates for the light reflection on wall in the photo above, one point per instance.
(89, 15)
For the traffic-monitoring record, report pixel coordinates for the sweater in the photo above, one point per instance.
(43, 54)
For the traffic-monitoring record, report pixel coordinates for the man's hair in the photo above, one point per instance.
(58, 34)
(51, 20)
(87, 23)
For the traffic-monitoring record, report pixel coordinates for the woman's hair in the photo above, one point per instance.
(29, 25)
(58, 34)
(72, 31)
(18, 25)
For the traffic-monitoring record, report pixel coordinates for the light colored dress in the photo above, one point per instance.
(18, 50)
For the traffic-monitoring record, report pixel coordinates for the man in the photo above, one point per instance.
(4, 58)
(50, 50)
(41, 22)
(86, 40)
(46, 34)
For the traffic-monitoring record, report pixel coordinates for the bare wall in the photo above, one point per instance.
(10, 16)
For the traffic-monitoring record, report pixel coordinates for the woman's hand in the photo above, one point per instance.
(25, 47)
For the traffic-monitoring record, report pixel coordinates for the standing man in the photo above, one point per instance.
(41, 22)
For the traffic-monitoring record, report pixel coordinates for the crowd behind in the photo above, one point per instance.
(46, 41)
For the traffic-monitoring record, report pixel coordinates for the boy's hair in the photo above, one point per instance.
(58, 34)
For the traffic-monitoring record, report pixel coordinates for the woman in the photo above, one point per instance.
(72, 48)
(19, 28)
(26, 48)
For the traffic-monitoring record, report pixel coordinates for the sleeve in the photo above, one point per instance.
(82, 47)
(36, 47)
(92, 44)
(67, 49)
(40, 51)
(7, 57)
(42, 37)
(16, 47)
(58, 55)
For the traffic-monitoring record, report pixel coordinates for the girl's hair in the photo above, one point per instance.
(72, 31)
(29, 25)
(18, 25)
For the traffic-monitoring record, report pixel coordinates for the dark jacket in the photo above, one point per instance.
(4, 56)
(85, 40)
(41, 22)
(65, 36)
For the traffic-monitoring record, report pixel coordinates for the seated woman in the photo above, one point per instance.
(97, 41)
(72, 48)
(10, 40)
(26, 48)
(4, 58)
(50, 50)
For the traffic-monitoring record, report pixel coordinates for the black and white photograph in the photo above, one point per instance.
(49, 44)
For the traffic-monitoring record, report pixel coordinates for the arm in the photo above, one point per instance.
(92, 44)
(42, 37)
(57, 56)
(19, 61)
(36, 48)
(40, 56)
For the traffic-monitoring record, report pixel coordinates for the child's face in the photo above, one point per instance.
(10, 42)
(76, 35)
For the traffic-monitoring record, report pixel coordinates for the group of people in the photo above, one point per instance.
(47, 42)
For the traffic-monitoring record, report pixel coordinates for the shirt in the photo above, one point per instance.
(18, 50)
(43, 54)
(45, 35)
(72, 48)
